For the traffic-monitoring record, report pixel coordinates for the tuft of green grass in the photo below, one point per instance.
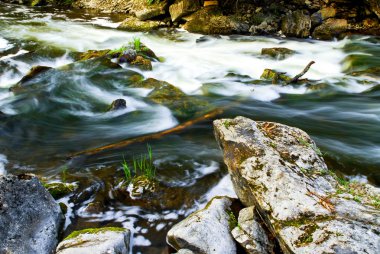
(127, 171)
(137, 43)
(142, 165)
(232, 221)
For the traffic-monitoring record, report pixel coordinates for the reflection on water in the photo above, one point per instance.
(64, 111)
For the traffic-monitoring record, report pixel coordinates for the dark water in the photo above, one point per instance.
(63, 113)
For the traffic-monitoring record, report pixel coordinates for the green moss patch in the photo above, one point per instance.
(94, 231)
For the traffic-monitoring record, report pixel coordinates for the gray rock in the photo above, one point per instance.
(118, 104)
(96, 241)
(296, 24)
(29, 216)
(250, 234)
(205, 231)
(278, 169)
(181, 8)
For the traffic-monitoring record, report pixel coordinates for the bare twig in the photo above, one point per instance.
(297, 77)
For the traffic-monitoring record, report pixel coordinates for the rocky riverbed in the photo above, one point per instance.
(111, 133)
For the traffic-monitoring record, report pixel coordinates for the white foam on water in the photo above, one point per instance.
(20, 52)
(104, 22)
(223, 188)
(3, 44)
(3, 162)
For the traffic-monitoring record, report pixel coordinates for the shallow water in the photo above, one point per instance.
(64, 113)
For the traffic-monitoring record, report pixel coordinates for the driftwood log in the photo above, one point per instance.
(148, 137)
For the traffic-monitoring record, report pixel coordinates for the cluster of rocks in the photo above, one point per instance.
(294, 204)
(320, 19)
(31, 220)
(288, 202)
(317, 18)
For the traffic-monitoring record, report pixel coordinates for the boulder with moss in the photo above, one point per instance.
(30, 219)
(207, 230)
(59, 190)
(134, 53)
(182, 105)
(149, 193)
(96, 240)
(280, 170)
(134, 24)
(212, 21)
(275, 76)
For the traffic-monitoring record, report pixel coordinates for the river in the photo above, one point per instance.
(66, 114)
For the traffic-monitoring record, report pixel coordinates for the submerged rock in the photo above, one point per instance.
(96, 240)
(183, 106)
(34, 72)
(205, 231)
(117, 105)
(279, 53)
(279, 169)
(250, 233)
(59, 190)
(29, 217)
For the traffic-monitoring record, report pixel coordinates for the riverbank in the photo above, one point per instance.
(323, 20)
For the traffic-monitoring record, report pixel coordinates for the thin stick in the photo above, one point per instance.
(297, 77)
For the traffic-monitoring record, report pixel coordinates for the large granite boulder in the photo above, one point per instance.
(206, 231)
(96, 241)
(29, 217)
(279, 169)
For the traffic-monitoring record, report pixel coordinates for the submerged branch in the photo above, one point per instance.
(147, 137)
(297, 77)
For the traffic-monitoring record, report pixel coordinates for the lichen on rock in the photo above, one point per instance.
(280, 170)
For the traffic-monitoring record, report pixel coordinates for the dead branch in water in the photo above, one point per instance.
(297, 77)
(147, 137)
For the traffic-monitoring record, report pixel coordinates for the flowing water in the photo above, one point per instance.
(65, 113)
